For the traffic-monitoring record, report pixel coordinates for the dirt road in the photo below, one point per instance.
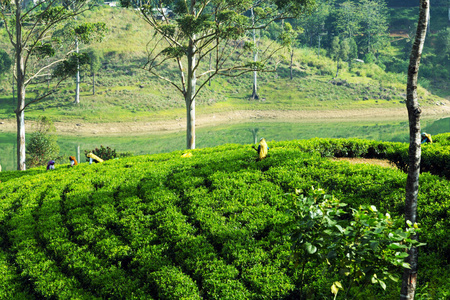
(149, 127)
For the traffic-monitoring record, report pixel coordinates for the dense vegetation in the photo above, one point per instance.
(215, 225)
(125, 92)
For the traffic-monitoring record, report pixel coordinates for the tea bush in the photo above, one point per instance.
(442, 139)
(106, 153)
(217, 225)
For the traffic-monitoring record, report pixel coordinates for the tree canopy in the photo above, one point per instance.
(189, 31)
(5, 62)
(42, 36)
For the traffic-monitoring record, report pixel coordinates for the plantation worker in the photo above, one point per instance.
(73, 161)
(426, 138)
(51, 165)
(188, 154)
(93, 157)
(262, 150)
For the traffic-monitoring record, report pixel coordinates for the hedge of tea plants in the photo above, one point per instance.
(216, 225)
(435, 157)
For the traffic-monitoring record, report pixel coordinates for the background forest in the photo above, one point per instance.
(363, 41)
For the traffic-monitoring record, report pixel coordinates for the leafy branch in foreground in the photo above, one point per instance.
(359, 246)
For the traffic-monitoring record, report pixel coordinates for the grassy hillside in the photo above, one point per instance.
(125, 92)
(216, 225)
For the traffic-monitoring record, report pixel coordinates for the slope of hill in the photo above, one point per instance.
(126, 92)
(216, 225)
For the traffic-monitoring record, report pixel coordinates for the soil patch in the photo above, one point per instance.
(368, 161)
(232, 117)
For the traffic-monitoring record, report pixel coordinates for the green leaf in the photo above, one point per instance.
(331, 254)
(396, 246)
(374, 245)
(393, 278)
(340, 228)
(310, 248)
(374, 278)
(401, 254)
(334, 289)
(383, 285)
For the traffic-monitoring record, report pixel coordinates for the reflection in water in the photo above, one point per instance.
(238, 133)
(439, 126)
(254, 132)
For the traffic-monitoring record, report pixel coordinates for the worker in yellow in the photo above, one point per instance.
(92, 157)
(262, 150)
(188, 154)
(426, 138)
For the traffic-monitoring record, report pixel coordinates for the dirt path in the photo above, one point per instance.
(367, 161)
(149, 127)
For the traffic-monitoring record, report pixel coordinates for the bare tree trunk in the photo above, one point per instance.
(20, 118)
(291, 64)
(20, 76)
(77, 149)
(189, 97)
(210, 66)
(255, 135)
(337, 69)
(77, 90)
(255, 59)
(93, 83)
(13, 90)
(412, 183)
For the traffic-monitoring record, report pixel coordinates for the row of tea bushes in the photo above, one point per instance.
(211, 226)
(442, 139)
(435, 157)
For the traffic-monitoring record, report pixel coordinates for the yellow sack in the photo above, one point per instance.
(93, 156)
(188, 154)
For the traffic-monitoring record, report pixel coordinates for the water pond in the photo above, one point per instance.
(243, 133)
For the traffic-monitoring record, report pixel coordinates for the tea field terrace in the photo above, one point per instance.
(215, 225)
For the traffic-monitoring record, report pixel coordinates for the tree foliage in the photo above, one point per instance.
(39, 33)
(202, 28)
(360, 245)
(5, 62)
(42, 145)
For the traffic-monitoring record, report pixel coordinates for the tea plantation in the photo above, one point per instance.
(219, 225)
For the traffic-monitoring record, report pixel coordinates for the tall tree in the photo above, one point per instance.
(442, 46)
(348, 19)
(5, 62)
(255, 57)
(290, 39)
(339, 51)
(314, 24)
(35, 31)
(95, 63)
(412, 182)
(201, 27)
(374, 25)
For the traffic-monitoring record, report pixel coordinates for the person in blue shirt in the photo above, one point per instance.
(426, 138)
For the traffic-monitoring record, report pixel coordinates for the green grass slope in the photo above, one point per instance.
(212, 226)
(126, 92)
